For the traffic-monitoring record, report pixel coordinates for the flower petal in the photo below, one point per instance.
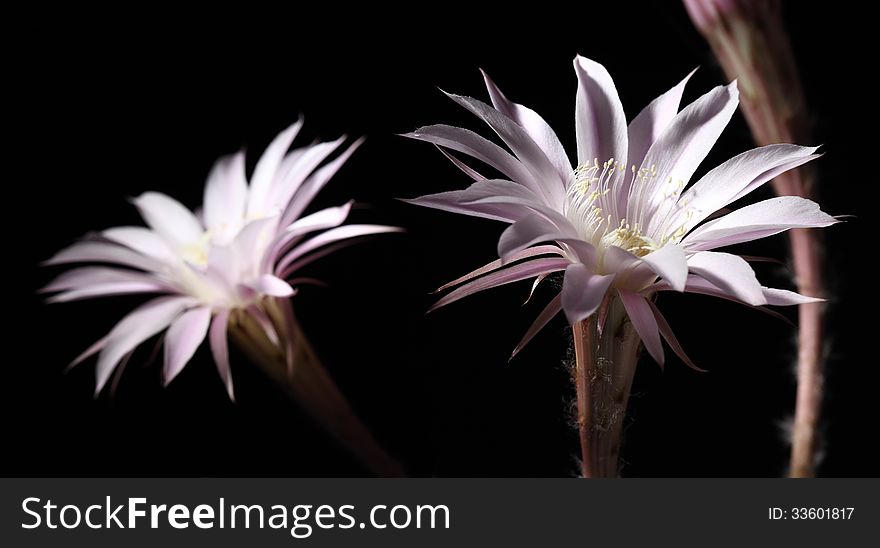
(599, 118)
(653, 121)
(729, 273)
(535, 126)
(642, 318)
(142, 240)
(476, 146)
(173, 222)
(495, 265)
(183, 338)
(93, 275)
(452, 202)
(546, 181)
(226, 193)
(553, 308)
(266, 170)
(510, 274)
(582, 292)
(306, 192)
(268, 284)
(737, 177)
(524, 233)
(220, 349)
(758, 221)
(671, 340)
(783, 297)
(670, 263)
(101, 252)
(135, 328)
(288, 183)
(674, 157)
(332, 235)
(109, 289)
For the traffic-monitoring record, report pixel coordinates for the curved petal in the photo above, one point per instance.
(95, 275)
(306, 192)
(553, 308)
(652, 121)
(737, 177)
(475, 146)
(226, 193)
(670, 337)
(332, 235)
(599, 118)
(220, 349)
(783, 297)
(495, 265)
(524, 233)
(514, 273)
(535, 126)
(100, 252)
(582, 292)
(452, 202)
(183, 338)
(142, 240)
(642, 318)
(109, 289)
(673, 158)
(758, 221)
(268, 284)
(670, 263)
(135, 328)
(266, 170)
(173, 222)
(546, 181)
(288, 183)
(729, 273)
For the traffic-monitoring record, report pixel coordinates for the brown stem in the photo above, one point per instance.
(750, 42)
(606, 351)
(310, 386)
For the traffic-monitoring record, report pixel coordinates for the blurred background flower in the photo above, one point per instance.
(229, 270)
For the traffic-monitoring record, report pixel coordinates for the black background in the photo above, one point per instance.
(108, 105)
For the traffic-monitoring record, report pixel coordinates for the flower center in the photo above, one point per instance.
(587, 207)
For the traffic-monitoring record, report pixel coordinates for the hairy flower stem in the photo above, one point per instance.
(606, 351)
(306, 381)
(750, 42)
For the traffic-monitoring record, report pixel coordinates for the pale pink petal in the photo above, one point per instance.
(599, 118)
(524, 233)
(266, 170)
(469, 171)
(476, 146)
(168, 218)
(226, 193)
(510, 274)
(535, 285)
(643, 321)
(653, 121)
(306, 192)
(783, 297)
(670, 263)
(268, 284)
(312, 257)
(671, 340)
(535, 127)
(320, 220)
(495, 191)
(332, 235)
(729, 273)
(288, 183)
(451, 201)
(182, 339)
(582, 292)
(142, 240)
(674, 157)
(100, 252)
(90, 351)
(553, 308)
(546, 181)
(135, 328)
(737, 177)
(91, 275)
(495, 265)
(220, 349)
(758, 221)
(109, 289)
